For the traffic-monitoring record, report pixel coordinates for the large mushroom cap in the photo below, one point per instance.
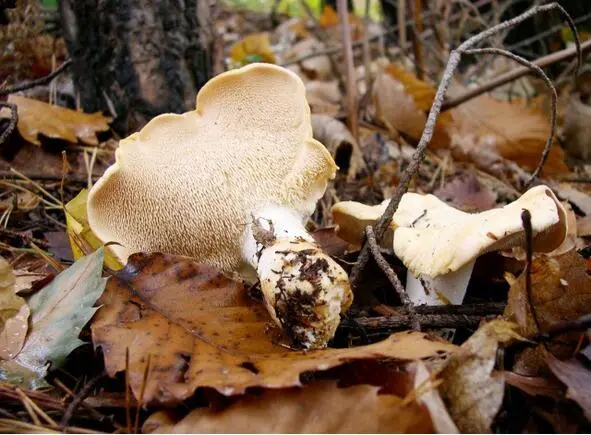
(188, 184)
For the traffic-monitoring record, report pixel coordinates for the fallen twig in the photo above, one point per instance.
(38, 82)
(433, 321)
(559, 56)
(526, 220)
(416, 41)
(351, 88)
(544, 77)
(392, 277)
(412, 168)
(74, 404)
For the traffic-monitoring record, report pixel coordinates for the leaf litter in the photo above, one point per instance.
(180, 331)
(205, 331)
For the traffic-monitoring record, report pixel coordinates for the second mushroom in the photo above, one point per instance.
(231, 184)
(440, 244)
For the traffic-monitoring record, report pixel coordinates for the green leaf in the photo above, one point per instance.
(58, 313)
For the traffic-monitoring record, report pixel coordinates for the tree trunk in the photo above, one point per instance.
(136, 59)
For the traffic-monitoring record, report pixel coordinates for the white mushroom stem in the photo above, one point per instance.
(442, 290)
(304, 289)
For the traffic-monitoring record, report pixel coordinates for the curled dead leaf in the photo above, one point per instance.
(339, 141)
(201, 329)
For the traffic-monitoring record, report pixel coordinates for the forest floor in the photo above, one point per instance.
(88, 346)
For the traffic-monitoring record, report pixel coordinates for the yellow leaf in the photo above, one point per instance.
(253, 48)
(329, 17)
(81, 236)
(37, 117)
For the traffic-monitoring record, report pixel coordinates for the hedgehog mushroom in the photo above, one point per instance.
(231, 184)
(440, 244)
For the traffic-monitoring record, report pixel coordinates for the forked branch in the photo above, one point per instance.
(452, 64)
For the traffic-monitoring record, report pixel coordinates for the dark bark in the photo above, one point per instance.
(136, 58)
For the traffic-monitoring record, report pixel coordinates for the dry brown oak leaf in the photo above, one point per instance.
(198, 328)
(561, 290)
(37, 117)
(321, 407)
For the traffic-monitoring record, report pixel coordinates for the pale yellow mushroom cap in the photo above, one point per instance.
(433, 238)
(188, 184)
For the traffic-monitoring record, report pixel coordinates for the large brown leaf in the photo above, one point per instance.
(318, 408)
(201, 329)
(37, 117)
(485, 129)
(561, 290)
(402, 102)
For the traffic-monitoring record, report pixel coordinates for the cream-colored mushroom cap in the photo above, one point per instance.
(188, 184)
(433, 238)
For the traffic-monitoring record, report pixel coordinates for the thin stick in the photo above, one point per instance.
(548, 82)
(37, 185)
(392, 277)
(38, 82)
(503, 79)
(416, 42)
(28, 407)
(12, 121)
(82, 394)
(412, 168)
(39, 411)
(401, 16)
(526, 221)
(352, 110)
(366, 54)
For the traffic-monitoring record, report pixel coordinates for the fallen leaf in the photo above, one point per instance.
(561, 290)
(81, 237)
(58, 313)
(428, 395)
(201, 329)
(329, 17)
(399, 101)
(23, 201)
(577, 378)
(467, 193)
(339, 141)
(314, 67)
(321, 407)
(323, 97)
(37, 117)
(484, 125)
(576, 127)
(14, 314)
(584, 226)
(253, 48)
(473, 394)
(579, 199)
(534, 385)
(27, 282)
